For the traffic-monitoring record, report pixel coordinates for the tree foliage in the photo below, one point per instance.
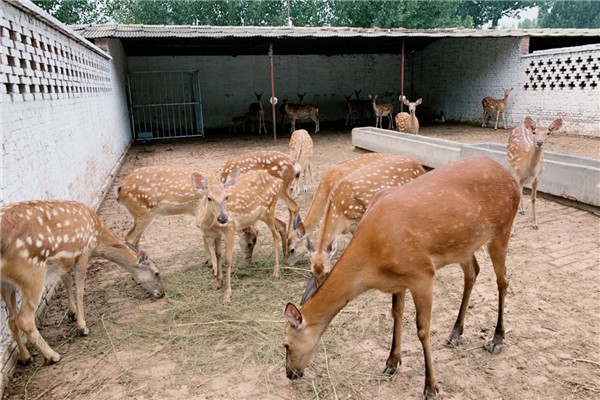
(569, 14)
(74, 11)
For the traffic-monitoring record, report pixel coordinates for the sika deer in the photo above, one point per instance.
(257, 112)
(232, 206)
(349, 200)
(363, 105)
(353, 108)
(148, 192)
(276, 163)
(301, 151)
(41, 240)
(382, 110)
(408, 122)
(406, 235)
(526, 157)
(495, 106)
(303, 229)
(301, 111)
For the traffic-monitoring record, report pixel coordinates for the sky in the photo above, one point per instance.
(529, 13)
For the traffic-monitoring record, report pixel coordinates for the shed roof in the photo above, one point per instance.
(245, 40)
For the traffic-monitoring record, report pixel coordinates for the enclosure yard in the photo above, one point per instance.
(189, 345)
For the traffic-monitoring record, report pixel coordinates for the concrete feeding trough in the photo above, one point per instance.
(567, 176)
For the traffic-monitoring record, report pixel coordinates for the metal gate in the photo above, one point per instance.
(165, 105)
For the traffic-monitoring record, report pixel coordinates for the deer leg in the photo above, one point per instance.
(272, 224)
(471, 270)
(422, 294)
(31, 294)
(214, 247)
(504, 118)
(292, 124)
(71, 303)
(316, 121)
(282, 229)
(139, 226)
(229, 239)
(483, 121)
(534, 186)
(9, 295)
(497, 250)
(497, 117)
(395, 357)
(80, 271)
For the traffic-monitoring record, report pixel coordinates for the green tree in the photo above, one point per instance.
(74, 11)
(490, 11)
(569, 14)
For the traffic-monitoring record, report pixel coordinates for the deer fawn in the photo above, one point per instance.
(301, 111)
(382, 110)
(257, 112)
(303, 229)
(41, 240)
(408, 122)
(229, 207)
(276, 163)
(406, 235)
(353, 108)
(526, 157)
(348, 201)
(495, 106)
(301, 151)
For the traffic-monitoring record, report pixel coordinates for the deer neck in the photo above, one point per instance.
(111, 248)
(535, 156)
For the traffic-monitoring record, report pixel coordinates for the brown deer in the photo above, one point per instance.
(526, 157)
(257, 112)
(353, 110)
(407, 121)
(42, 240)
(495, 106)
(382, 110)
(275, 163)
(301, 151)
(303, 229)
(363, 106)
(239, 122)
(348, 201)
(406, 235)
(301, 111)
(148, 192)
(239, 203)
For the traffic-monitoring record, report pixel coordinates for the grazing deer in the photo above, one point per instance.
(42, 240)
(353, 108)
(239, 122)
(303, 229)
(276, 163)
(526, 157)
(382, 110)
(148, 192)
(406, 235)
(301, 151)
(257, 112)
(495, 106)
(301, 111)
(348, 201)
(408, 122)
(228, 207)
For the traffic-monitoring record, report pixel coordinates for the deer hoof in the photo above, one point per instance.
(72, 316)
(53, 359)
(83, 331)
(535, 227)
(493, 347)
(26, 361)
(389, 371)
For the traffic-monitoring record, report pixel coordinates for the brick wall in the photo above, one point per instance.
(454, 75)
(64, 118)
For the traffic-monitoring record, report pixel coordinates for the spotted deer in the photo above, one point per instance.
(43, 240)
(363, 106)
(406, 235)
(407, 121)
(300, 148)
(301, 111)
(238, 203)
(348, 201)
(526, 157)
(257, 112)
(148, 192)
(353, 110)
(304, 228)
(495, 106)
(382, 110)
(276, 163)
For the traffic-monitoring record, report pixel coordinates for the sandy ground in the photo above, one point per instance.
(140, 348)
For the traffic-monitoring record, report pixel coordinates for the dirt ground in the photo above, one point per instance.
(188, 345)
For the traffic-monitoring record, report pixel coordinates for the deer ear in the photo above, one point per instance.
(293, 315)
(418, 102)
(405, 101)
(555, 125)
(310, 246)
(232, 177)
(199, 182)
(332, 248)
(529, 123)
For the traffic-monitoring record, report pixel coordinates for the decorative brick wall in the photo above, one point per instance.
(64, 119)
(467, 70)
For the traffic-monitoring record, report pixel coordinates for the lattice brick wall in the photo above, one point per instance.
(564, 72)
